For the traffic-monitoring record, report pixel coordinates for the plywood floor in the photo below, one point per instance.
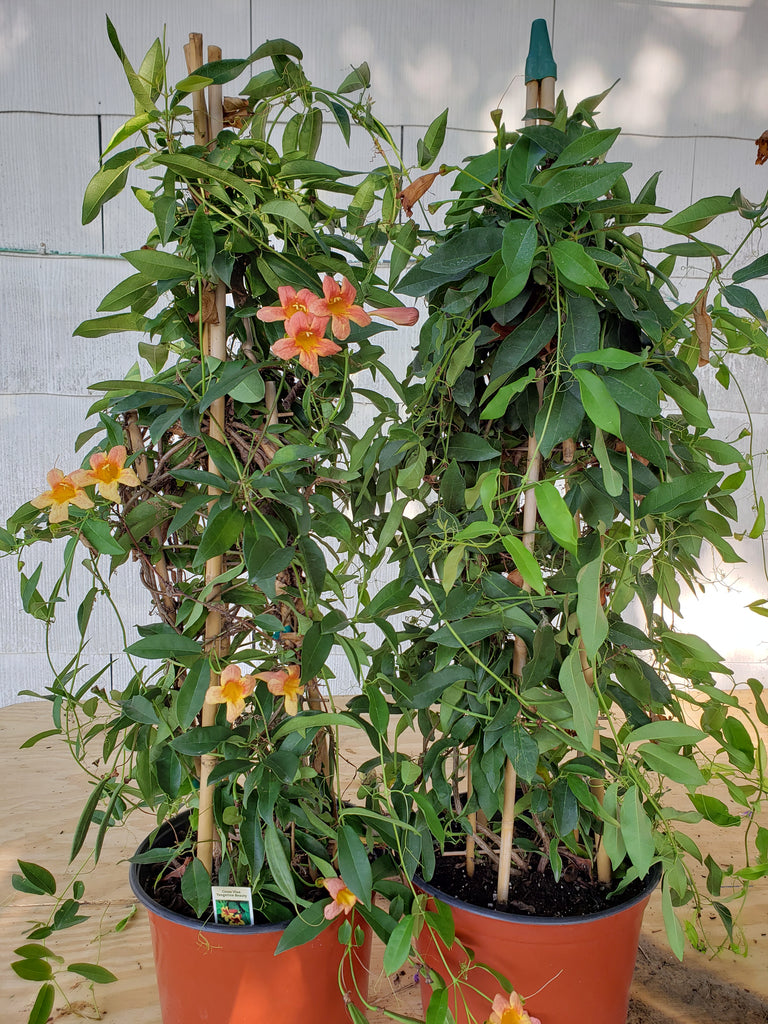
(44, 780)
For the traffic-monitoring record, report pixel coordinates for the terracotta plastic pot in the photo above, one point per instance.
(572, 969)
(217, 974)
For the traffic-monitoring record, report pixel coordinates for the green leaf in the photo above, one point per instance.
(556, 515)
(466, 447)
(125, 294)
(635, 390)
(165, 643)
(157, 265)
(671, 494)
(108, 182)
(581, 697)
(579, 184)
(32, 970)
(398, 946)
(202, 238)
(192, 167)
(525, 342)
(518, 248)
(587, 147)
(598, 403)
(451, 261)
(614, 358)
(676, 767)
(589, 610)
(525, 562)
(192, 693)
(678, 733)
(303, 928)
(757, 268)
(636, 831)
(201, 739)
(101, 326)
(86, 816)
(714, 810)
(196, 886)
(428, 148)
(743, 298)
(99, 533)
(139, 709)
(522, 750)
(358, 78)
(500, 402)
(278, 863)
(699, 214)
(574, 263)
(675, 934)
(284, 209)
(222, 534)
(43, 1005)
(354, 865)
(39, 877)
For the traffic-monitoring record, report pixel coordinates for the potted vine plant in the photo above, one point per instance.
(219, 475)
(555, 475)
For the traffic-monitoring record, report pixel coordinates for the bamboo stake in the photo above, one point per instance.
(216, 346)
(540, 68)
(215, 107)
(470, 844)
(193, 53)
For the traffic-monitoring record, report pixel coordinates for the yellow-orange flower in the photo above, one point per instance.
(342, 898)
(338, 303)
(285, 684)
(108, 469)
(305, 339)
(510, 1011)
(234, 688)
(64, 491)
(291, 302)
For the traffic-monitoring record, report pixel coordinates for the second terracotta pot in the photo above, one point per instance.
(215, 974)
(567, 969)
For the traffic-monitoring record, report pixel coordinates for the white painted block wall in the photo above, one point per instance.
(691, 100)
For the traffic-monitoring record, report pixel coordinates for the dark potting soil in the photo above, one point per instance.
(532, 893)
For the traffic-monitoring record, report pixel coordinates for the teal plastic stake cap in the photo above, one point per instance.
(540, 62)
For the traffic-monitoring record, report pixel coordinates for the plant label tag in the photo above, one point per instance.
(232, 905)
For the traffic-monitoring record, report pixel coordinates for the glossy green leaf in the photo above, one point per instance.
(201, 739)
(278, 863)
(743, 298)
(108, 182)
(518, 247)
(525, 342)
(500, 401)
(354, 865)
(285, 209)
(526, 563)
(598, 403)
(43, 1004)
(196, 886)
(428, 148)
(674, 930)
(193, 168)
(671, 494)
(222, 533)
(714, 810)
(32, 970)
(757, 268)
(522, 750)
(358, 78)
(574, 263)
(587, 147)
(556, 515)
(398, 946)
(466, 447)
(695, 217)
(581, 697)
(636, 831)
(157, 265)
(99, 534)
(592, 619)
(39, 877)
(670, 765)
(191, 696)
(101, 326)
(93, 972)
(165, 643)
(303, 928)
(614, 358)
(579, 184)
